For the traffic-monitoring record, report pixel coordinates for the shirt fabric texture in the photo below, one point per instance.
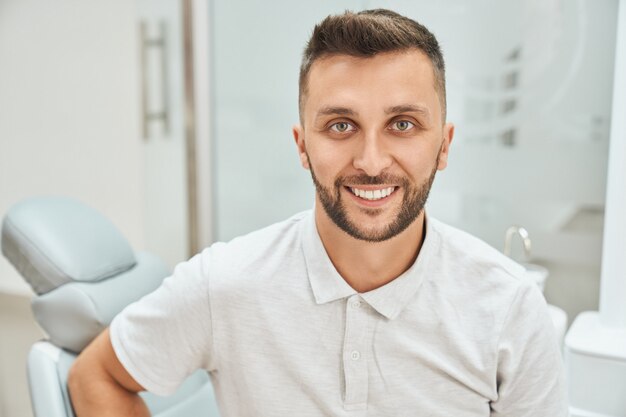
(461, 333)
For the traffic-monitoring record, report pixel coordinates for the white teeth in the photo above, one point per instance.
(372, 195)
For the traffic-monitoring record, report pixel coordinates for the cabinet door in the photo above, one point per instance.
(162, 128)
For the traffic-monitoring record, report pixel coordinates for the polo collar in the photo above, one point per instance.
(326, 282)
(390, 299)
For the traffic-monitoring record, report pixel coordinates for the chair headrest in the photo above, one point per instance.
(55, 240)
(79, 264)
(75, 313)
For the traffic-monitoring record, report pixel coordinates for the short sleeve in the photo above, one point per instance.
(530, 374)
(166, 335)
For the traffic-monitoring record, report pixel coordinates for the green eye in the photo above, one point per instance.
(403, 125)
(341, 127)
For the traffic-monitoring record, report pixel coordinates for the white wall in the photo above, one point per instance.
(69, 110)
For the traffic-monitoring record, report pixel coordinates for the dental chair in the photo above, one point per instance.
(84, 272)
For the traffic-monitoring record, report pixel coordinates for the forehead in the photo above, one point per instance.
(384, 80)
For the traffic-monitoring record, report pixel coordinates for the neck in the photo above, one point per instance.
(364, 265)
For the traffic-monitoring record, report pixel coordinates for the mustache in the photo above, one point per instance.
(369, 180)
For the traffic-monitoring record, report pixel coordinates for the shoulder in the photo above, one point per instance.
(461, 250)
(491, 291)
(261, 248)
(467, 268)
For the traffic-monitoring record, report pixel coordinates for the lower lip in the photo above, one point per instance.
(371, 203)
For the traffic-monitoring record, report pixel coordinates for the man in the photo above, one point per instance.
(364, 306)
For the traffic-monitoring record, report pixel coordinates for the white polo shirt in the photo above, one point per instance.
(459, 334)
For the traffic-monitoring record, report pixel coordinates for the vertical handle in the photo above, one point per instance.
(158, 43)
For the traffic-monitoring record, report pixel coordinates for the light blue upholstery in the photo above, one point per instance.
(55, 240)
(84, 273)
(74, 313)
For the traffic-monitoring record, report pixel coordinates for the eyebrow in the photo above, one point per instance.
(339, 111)
(408, 108)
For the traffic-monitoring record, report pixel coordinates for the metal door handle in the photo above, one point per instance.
(159, 43)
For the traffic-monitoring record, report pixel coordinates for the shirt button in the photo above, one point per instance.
(355, 355)
(356, 304)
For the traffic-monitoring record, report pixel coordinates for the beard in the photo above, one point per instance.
(413, 201)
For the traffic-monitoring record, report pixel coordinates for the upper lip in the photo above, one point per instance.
(370, 187)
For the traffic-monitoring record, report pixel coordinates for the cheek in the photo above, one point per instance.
(324, 171)
(328, 161)
(418, 163)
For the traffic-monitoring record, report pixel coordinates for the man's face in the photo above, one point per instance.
(373, 139)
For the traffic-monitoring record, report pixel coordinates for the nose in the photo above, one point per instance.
(371, 156)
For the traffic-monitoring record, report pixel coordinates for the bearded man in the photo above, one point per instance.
(364, 306)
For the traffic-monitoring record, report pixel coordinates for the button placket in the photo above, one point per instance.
(355, 364)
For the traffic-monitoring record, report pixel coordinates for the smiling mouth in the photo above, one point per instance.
(372, 195)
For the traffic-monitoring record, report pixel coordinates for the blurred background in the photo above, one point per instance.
(173, 119)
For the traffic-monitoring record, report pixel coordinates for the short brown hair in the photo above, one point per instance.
(365, 34)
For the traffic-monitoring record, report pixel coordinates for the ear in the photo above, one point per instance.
(298, 135)
(444, 152)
